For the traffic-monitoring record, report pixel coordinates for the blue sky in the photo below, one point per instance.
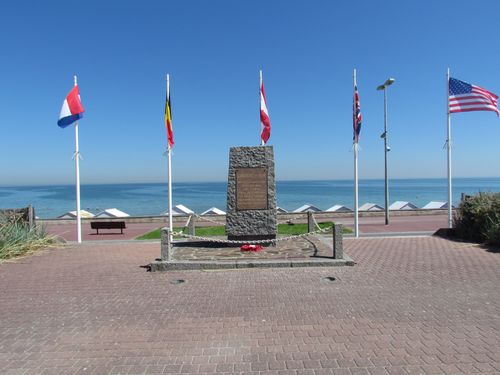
(122, 50)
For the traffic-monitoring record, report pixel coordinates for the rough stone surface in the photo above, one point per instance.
(312, 251)
(166, 247)
(192, 225)
(251, 224)
(310, 222)
(338, 248)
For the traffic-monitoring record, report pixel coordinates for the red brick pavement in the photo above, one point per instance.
(410, 306)
(68, 231)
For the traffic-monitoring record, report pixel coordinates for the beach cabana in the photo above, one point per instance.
(213, 211)
(72, 215)
(435, 205)
(371, 207)
(339, 208)
(402, 205)
(111, 212)
(307, 208)
(180, 210)
(281, 210)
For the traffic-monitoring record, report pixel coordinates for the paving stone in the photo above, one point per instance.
(409, 304)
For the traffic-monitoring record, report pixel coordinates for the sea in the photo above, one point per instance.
(145, 199)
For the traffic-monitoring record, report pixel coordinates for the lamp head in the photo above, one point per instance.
(386, 84)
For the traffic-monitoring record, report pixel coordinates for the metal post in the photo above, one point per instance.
(448, 144)
(260, 106)
(356, 189)
(385, 161)
(77, 172)
(169, 154)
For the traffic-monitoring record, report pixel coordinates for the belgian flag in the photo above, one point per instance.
(168, 116)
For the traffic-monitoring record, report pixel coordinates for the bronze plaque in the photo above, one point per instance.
(251, 188)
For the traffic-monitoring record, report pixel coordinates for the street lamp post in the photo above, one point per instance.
(383, 87)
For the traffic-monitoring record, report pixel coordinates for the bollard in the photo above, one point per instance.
(166, 246)
(191, 227)
(338, 249)
(310, 222)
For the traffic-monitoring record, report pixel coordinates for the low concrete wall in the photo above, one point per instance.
(181, 220)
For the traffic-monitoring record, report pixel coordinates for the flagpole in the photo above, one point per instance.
(260, 93)
(356, 200)
(448, 144)
(77, 172)
(169, 153)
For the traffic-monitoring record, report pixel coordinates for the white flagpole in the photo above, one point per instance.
(260, 106)
(448, 144)
(169, 153)
(356, 200)
(77, 168)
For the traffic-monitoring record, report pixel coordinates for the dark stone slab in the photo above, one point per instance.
(251, 194)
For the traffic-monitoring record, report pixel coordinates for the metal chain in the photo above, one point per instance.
(315, 222)
(272, 241)
(207, 219)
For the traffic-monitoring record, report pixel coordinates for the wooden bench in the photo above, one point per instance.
(107, 225)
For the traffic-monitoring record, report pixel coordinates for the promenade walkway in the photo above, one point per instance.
(421, 305)
(368, 225)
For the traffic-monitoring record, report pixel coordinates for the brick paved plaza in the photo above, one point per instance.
(410, 306)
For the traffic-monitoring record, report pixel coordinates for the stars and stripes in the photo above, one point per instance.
(168, 118)
(356, 114)
(264, 114)
(464, 97)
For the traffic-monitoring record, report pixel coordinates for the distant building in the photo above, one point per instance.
(180, 210)
(402, 205)
(307, 208)
(111, 212)
(281, 210)
(435, 205)
(213, 211)
(72, 215)
(339, 208)
(371, 207)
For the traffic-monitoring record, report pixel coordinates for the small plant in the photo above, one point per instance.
(478, 218)
(18, 238)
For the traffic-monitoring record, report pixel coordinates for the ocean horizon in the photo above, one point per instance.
(144, 199)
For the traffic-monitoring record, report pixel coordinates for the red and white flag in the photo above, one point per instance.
(264, 114)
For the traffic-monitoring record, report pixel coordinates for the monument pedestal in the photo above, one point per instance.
(251, 194)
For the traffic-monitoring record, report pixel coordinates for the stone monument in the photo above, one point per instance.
(251, 194)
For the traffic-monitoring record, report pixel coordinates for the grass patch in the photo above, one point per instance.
(283, 229)
(17, 238)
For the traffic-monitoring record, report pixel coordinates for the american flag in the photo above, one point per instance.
(356, 116)
(465, 97)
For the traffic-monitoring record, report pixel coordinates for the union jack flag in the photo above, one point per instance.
(464, 97)
(356, 115)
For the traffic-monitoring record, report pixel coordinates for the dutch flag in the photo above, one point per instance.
(72, 109)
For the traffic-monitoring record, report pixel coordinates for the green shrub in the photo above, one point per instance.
(18, 238)
(478, 218)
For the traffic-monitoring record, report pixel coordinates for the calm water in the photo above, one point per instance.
(151, 199)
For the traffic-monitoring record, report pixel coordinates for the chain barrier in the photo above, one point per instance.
(272, 241)
(207, 219)
(315, 222)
